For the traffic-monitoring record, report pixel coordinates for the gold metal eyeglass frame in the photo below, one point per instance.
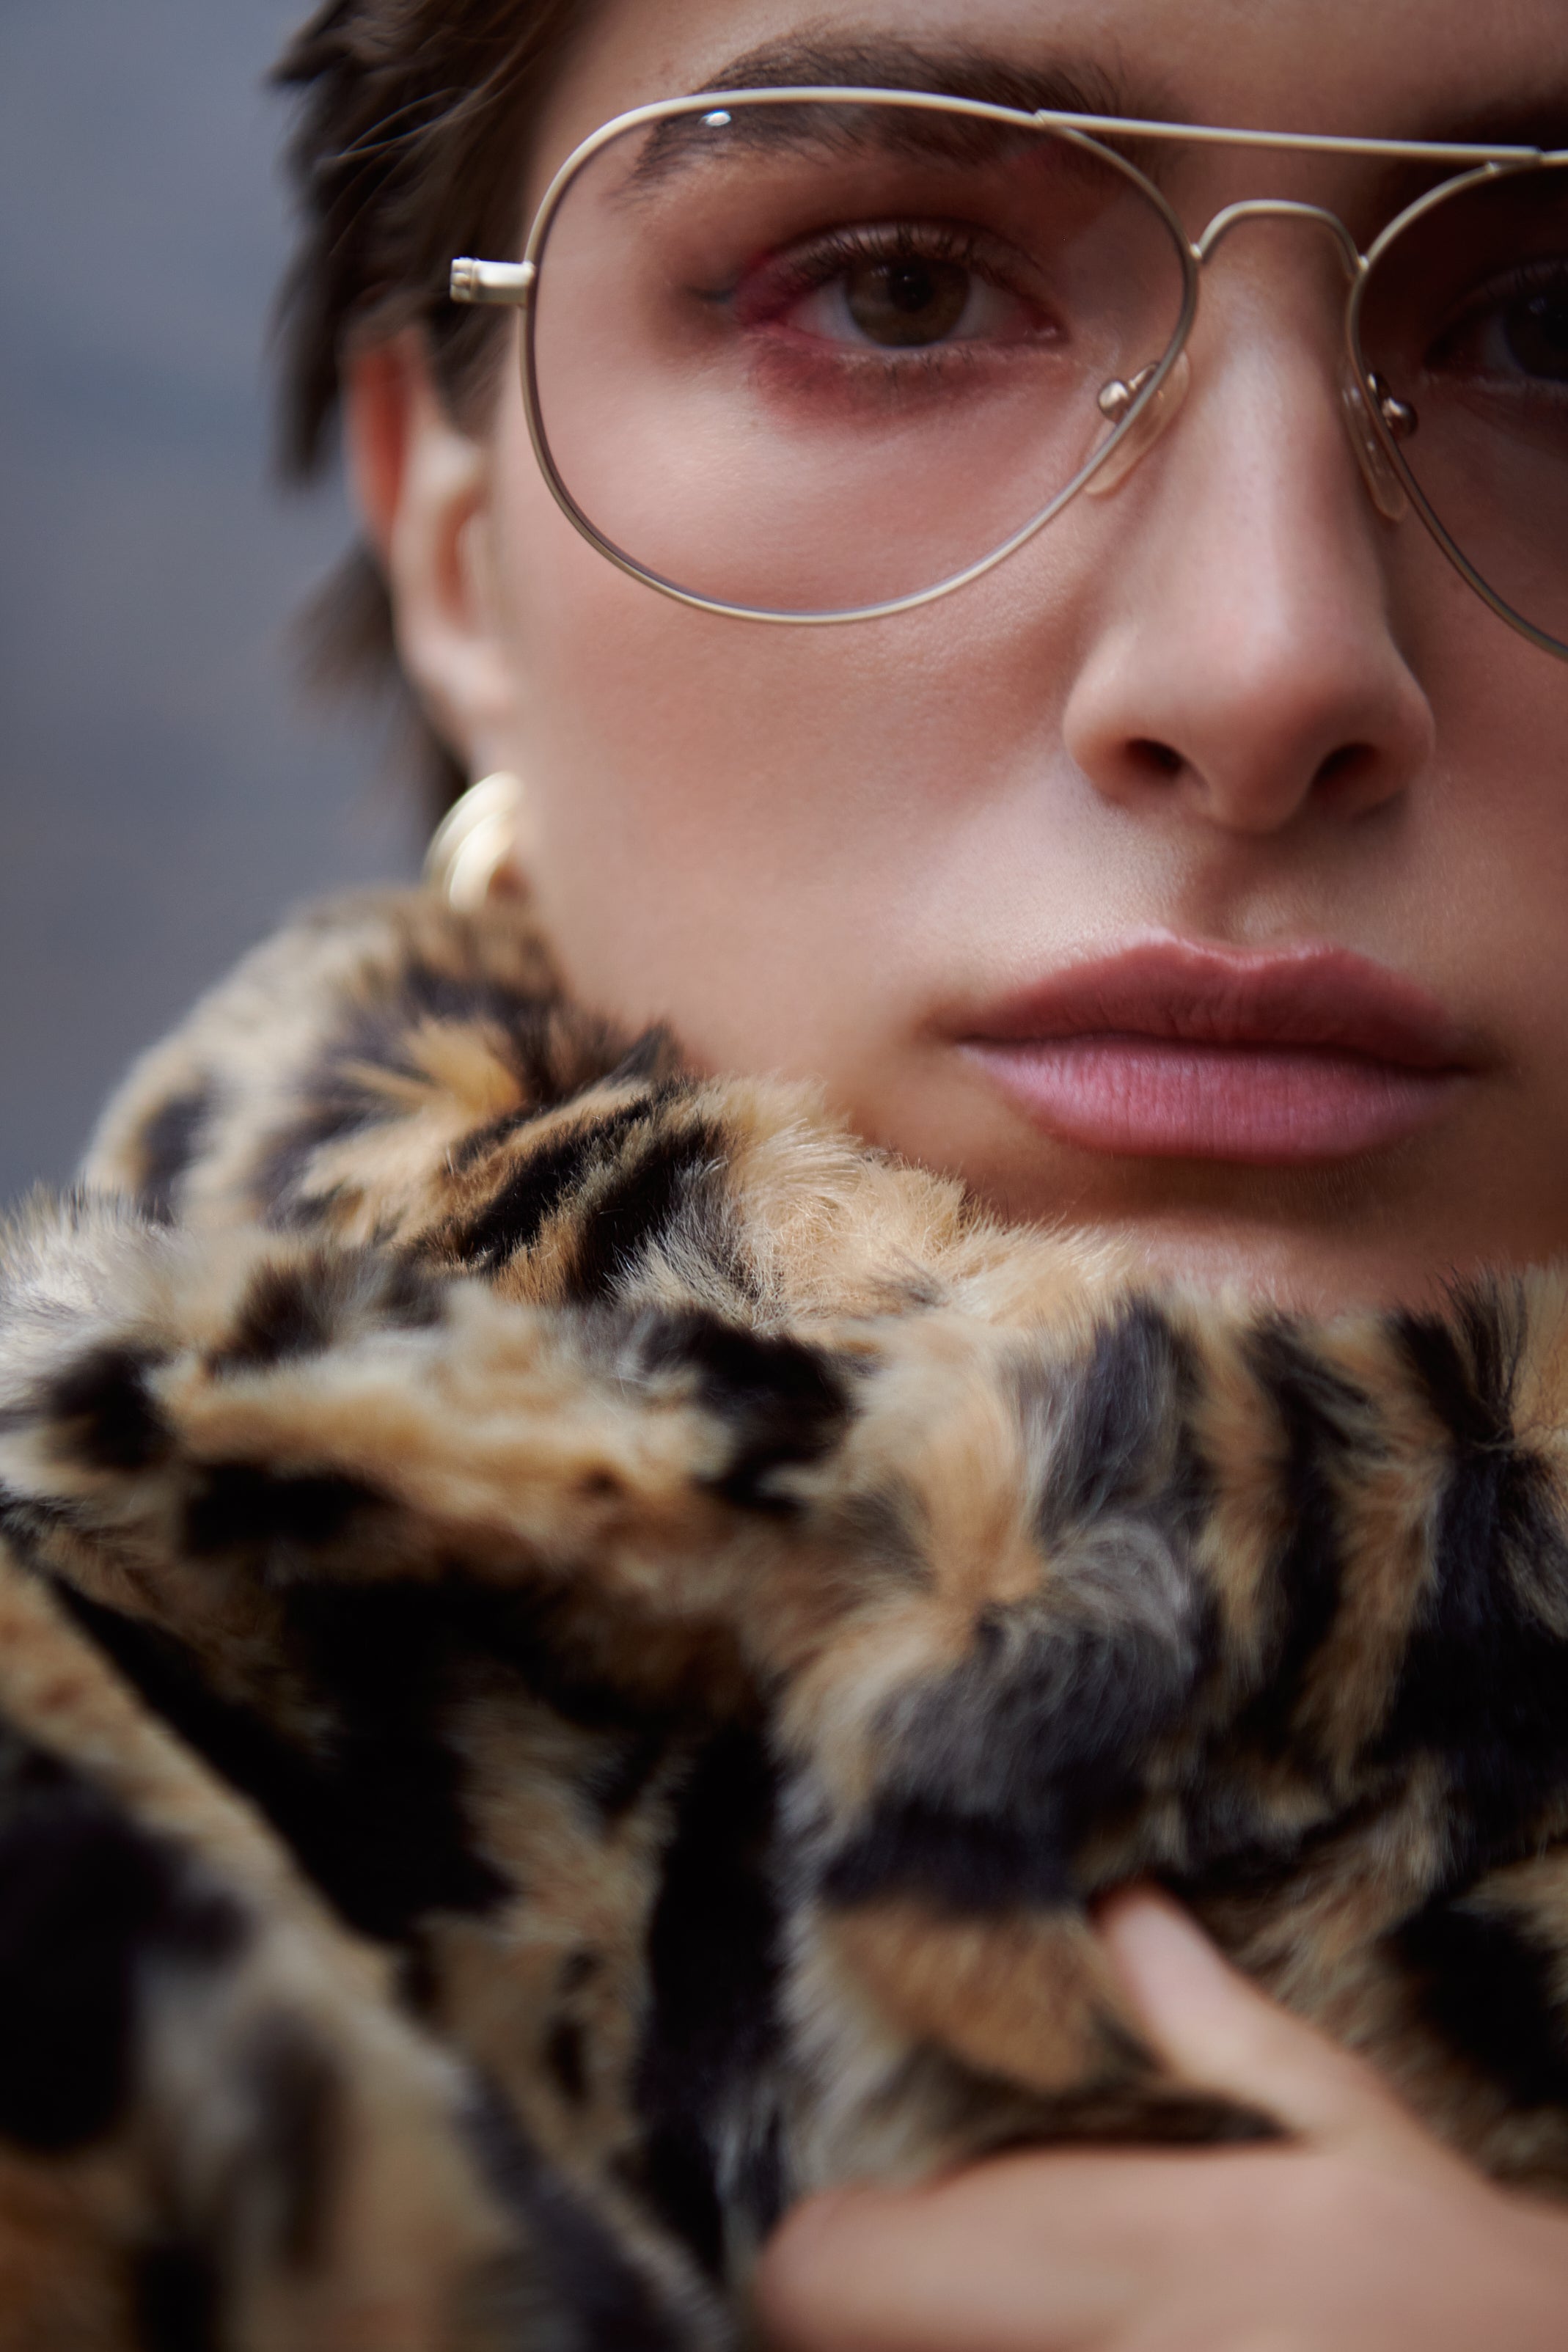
(1376, 419)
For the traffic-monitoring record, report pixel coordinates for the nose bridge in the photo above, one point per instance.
(1263, 457)
(1251, 669)
(1386, 494)
(1279, 208)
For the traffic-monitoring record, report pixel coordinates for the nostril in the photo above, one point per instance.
(1344, 765)
(1155, 759)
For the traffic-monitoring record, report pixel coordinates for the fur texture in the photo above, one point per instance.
(573, 1646)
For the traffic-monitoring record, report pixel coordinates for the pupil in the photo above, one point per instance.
(909, 289)
(1537, 332)
(907, 303)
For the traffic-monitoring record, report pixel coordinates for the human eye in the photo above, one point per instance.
(1512, 333)
(921, 288)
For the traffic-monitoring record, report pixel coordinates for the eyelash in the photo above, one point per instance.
(1547, 277)
(781, 281)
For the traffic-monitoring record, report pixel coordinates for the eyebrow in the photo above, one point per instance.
(1067, 85)
(1539, 121)
(1064, 83)
(1058, 86)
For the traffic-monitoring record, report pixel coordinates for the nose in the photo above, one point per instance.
(1243, 669)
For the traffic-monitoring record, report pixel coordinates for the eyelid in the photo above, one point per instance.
(1522, 277)
(791, 273)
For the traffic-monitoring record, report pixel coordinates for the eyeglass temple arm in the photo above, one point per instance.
(493, 284)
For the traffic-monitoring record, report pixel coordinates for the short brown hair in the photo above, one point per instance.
(415, 119)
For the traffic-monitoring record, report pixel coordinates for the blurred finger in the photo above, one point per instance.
(987, 2261)
(1217, 2029)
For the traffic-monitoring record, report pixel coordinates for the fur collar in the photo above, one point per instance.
(573, 1646)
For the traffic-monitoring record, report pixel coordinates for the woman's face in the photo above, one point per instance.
(1200, 873)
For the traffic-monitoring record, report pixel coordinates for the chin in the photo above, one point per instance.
(1312, 1242)
(1300, 1270)
(1304, 1273)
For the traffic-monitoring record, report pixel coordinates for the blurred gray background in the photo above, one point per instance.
(164, 793)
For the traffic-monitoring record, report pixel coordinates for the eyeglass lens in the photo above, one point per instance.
(1465, 319)
(820, 357)
(811, 358)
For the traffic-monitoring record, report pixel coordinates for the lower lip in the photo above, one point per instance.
(1268, 1105)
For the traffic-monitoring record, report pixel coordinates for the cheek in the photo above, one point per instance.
(751, 829)
(1499, 824)
(1496, 802)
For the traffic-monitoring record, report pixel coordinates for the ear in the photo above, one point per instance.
(423, 487)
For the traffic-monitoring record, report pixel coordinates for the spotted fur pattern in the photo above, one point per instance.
(575, 1648)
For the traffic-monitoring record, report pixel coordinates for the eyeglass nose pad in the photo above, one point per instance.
(1388, 493)
(1136, 443)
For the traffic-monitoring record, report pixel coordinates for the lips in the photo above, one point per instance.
(1172, 1050)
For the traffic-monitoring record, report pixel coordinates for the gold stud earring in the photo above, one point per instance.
(478, 838)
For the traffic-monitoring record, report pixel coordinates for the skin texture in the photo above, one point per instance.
(822, 852)
(1361, 2234)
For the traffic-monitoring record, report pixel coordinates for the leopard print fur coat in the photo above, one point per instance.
(573, 1646)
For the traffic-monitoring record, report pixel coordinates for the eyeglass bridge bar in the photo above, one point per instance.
(1300, 143)
(1279, 208)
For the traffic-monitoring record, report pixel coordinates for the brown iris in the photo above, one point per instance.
(907, 301)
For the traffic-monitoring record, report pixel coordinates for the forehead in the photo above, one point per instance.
(1400, 69)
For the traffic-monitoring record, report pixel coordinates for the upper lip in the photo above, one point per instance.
(1307, 998)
